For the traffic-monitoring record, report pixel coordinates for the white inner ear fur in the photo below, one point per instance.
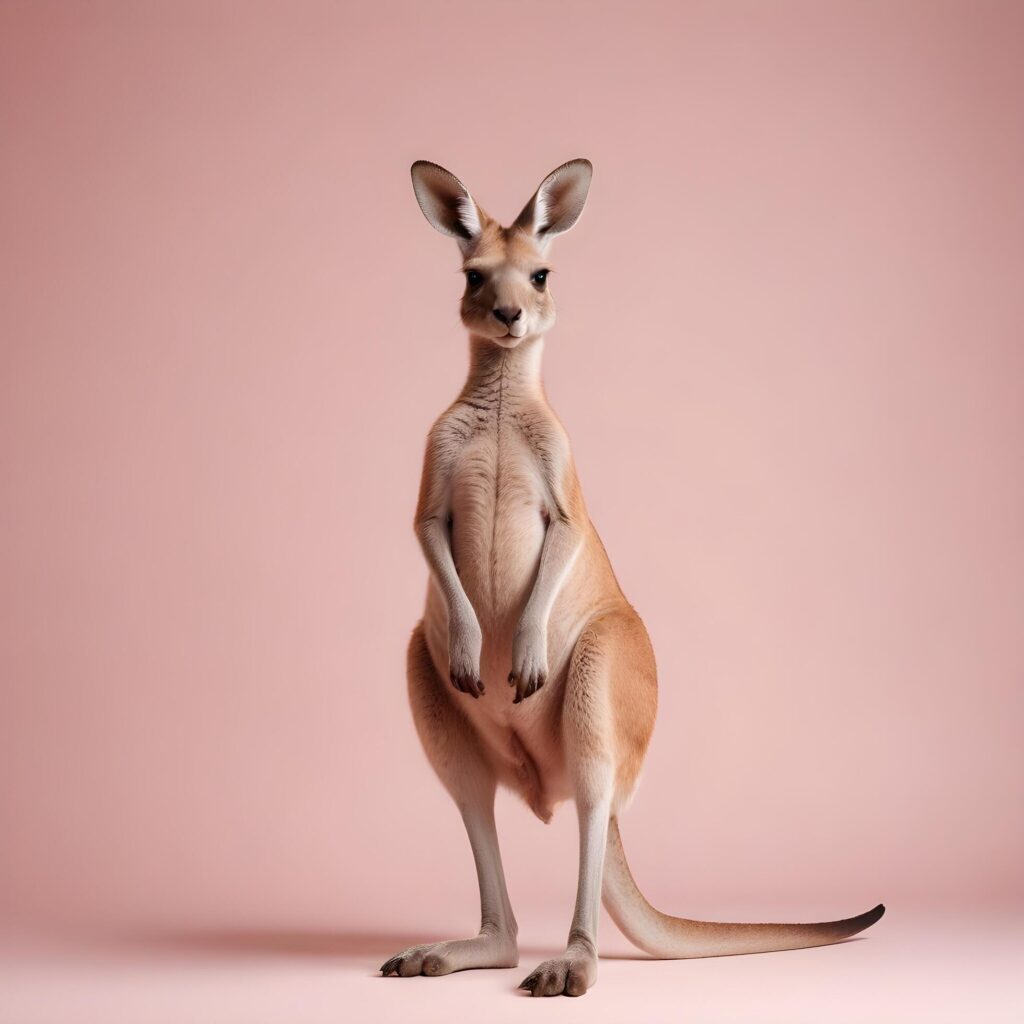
(540, 211)
(468, 214)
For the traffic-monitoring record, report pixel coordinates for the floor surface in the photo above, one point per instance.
(921, 969)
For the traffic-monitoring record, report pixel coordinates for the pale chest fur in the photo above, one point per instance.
(499, 511)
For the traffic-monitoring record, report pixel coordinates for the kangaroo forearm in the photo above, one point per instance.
(436, 545)
(562, 544)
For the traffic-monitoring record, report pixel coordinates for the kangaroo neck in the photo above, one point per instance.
(504, 374)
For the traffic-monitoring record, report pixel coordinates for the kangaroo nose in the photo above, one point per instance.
(507, 315)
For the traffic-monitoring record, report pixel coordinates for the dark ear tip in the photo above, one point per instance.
(429, 165)
(427, 170)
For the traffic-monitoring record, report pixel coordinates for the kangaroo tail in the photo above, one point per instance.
(676, 938)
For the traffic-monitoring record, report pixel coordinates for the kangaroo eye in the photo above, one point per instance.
(474, 278)
(540, 278)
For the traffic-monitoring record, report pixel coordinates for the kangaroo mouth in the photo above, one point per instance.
(507, 340)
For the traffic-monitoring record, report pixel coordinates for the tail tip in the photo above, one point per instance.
(861, 921)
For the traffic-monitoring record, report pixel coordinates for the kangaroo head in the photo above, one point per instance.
(507, 297)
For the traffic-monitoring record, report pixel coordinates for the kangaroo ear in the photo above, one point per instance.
(446, 202)
(559, 201)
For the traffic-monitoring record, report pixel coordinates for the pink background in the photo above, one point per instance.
(789, 356)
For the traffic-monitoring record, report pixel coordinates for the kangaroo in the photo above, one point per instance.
(529, 668)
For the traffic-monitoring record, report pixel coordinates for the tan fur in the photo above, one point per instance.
(553, 688)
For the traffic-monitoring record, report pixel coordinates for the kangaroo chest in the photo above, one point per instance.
(498, 520)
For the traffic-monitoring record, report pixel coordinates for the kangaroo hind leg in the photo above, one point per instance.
(610, 675)
(456, 755)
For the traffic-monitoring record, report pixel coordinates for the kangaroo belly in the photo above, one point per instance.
(498, 525)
